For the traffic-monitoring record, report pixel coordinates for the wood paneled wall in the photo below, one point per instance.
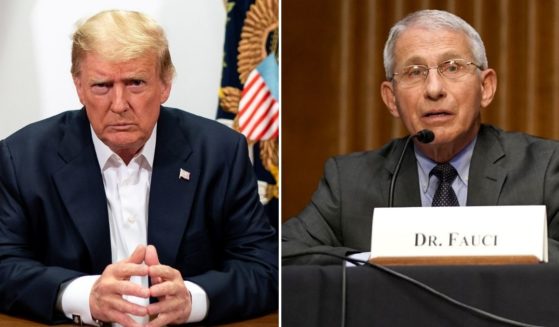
(332, 69)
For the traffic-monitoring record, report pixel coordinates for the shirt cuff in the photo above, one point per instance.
(200, 302)
(75, 298)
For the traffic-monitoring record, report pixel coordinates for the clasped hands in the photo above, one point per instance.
(107, 304)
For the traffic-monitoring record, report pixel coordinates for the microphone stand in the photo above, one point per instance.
(423, 136)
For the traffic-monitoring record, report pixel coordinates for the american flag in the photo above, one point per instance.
(183, 174)
(259, 107)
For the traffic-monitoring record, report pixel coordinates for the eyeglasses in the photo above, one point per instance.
(451, 69)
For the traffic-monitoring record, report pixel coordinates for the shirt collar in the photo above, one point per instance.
(461, 162)
(104, 153)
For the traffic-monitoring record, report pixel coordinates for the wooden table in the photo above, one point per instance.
(270, 320)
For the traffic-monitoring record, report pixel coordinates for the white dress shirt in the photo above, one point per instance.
(429, 183)
(127, 190)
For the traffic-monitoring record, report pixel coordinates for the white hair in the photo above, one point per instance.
(433, 20)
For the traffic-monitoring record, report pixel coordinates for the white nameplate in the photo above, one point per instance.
(401, 234)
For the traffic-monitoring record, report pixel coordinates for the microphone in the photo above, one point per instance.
(423, 136)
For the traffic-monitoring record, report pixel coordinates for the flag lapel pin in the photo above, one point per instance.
(183, 174)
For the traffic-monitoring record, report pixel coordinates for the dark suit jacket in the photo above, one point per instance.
(506, 169)
(54, 221)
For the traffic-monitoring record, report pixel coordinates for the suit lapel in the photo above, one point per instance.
(171, 197)
(80, 185)
(406, 190)
(486, 176)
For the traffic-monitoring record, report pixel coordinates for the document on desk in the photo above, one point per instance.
(459, 235)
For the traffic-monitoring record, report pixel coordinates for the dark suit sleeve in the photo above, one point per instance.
(318, 227)
(246, 284)
(27, 287)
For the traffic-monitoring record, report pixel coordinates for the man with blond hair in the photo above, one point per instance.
(126, 211)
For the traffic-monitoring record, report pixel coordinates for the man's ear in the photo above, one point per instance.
(79, 87)
(488, 86)
(389, 97)
(165, 90)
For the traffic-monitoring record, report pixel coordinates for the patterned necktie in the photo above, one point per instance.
(444, 196)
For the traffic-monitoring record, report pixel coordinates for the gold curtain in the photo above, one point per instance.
(332, 69)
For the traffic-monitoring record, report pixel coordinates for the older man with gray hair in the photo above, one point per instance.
(437, 79)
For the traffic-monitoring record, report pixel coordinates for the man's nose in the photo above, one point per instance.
(120, 99)
(434, 85)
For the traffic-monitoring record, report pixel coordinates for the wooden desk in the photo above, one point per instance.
(9, 321)
(270, 320)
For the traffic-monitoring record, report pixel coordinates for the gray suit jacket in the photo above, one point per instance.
(506, 169)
